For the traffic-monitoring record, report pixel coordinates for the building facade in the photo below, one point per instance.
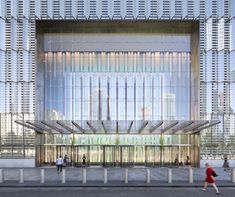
(122, 81)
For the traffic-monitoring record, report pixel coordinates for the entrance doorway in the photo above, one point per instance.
(111, 155)
(127, 156)
(117, 155)
(153, 156)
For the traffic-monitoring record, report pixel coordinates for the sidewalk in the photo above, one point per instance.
(113, 184)
(115, 177)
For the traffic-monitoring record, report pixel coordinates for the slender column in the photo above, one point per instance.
(42, 176)
(169, 177)
(190, 175)
(105, 176)
(1, 176)
(21, 176)
(84, 176)
(63, 178)
(126, 176)
(148, 176)
(233, 175)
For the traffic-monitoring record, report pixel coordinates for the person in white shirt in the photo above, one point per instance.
(59, 162)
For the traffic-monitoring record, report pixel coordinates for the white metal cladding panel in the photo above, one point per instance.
(2, 67)
(14, 8)
(123, 9)
(232, 35)
(2, 34)
(232, 8)
(3, 9)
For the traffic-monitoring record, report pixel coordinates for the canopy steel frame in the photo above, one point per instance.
(30, 127)
(182, 126)
(169, 126)
(211, 124)
(79, 127)
(59, 122)
(39, 126)
(156, 126)
(142, 127)
(117, 131)
(129, 128)
(91, 127)
(52, 127)
(195, 126)
(105, 130)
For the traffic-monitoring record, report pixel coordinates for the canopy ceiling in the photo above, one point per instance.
(118, 127)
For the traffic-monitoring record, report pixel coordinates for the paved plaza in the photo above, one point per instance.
(114, 192)
(115, 176)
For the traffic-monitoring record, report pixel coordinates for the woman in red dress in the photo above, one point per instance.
(210, 179)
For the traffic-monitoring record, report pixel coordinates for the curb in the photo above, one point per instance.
(109, 185)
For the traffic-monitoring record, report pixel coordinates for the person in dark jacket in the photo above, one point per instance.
(83, 160)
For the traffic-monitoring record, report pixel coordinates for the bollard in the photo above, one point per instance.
(126, 176)
(21, 176)
(190, 175)
(42, 176)
(169, 177)
(84, 176)
(1, 176)
(63, 179)
(105, 176)
(148, 176)
(233, 175)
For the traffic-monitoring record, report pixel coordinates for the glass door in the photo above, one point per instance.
(96, 155)
(166, 156)
(184, 152)
(65, 150)
(78, 152)
(50, 154)
(139, 155)
(40, 155)
(175, 157)
(127, 156)
(153, 157)
(109, 155)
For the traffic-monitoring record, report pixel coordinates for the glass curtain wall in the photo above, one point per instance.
(115, 86)
(153, 150)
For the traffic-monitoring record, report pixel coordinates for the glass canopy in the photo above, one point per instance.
(168, 127)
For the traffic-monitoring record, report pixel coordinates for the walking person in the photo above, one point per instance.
(226, 164)
(83, 160)
(176, 162)
(65, 160)
(59, 163)
(210, 178)
(187, 162)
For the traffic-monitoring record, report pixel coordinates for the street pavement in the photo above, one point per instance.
(113, 192)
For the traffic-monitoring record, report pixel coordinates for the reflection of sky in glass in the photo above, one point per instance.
(116, 86)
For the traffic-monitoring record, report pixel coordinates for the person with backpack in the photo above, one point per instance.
(210, 178)
(59, 162)
(65, 161)
(226, 164)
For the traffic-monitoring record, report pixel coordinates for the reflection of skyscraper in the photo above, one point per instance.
(232, 77)
(221, 101)
(54, 115)
(169, 106)
(146, 113)
(232, 92)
